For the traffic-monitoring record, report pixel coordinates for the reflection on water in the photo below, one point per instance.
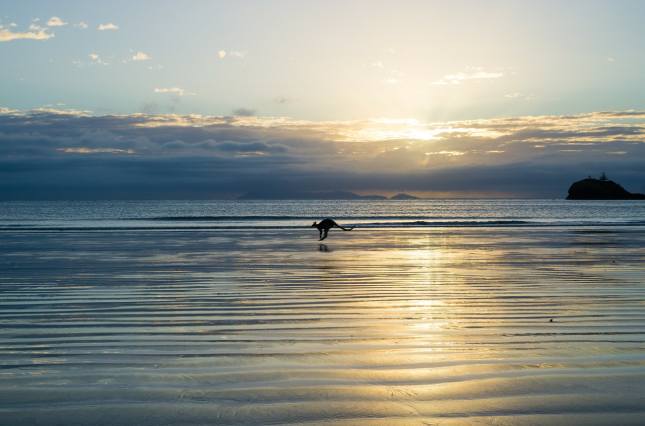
(395, 327)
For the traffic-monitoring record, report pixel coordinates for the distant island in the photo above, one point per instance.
(403, 196)
(322, 195)
(600, 189)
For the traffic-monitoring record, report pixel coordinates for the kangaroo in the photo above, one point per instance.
(325, 225)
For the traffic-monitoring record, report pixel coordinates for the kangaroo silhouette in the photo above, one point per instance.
(325, 225)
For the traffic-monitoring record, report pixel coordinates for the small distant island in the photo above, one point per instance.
(403, 196)
(323, 195)
(600, 189)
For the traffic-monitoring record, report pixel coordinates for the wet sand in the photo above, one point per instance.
(402, 326)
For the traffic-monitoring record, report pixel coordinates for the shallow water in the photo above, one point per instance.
(223, 214)
(392, 326)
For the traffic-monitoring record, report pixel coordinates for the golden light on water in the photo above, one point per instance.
(391, 325)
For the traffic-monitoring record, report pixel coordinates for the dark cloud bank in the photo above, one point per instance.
(64, 155)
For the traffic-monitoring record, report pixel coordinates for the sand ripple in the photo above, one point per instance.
(425, 326)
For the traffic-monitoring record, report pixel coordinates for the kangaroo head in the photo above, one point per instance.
(314, 224)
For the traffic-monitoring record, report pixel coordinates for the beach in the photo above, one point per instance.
(429, 325)
(353, 213)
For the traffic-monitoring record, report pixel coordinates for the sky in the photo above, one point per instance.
(209, 99)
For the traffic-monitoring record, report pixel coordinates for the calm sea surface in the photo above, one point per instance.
(292, 214)
(429, 312)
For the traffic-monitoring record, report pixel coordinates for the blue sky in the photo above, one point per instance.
(329, 60)
(212, 99)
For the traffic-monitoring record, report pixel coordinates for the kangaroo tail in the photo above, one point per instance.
(345, 229)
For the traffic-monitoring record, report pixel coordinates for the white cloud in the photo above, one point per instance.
(82, 25)
(55, 21)
(109, 26)
(141, 56)
(518, 95)
(84, 150)
(97, 59)
(231, 54)
(35, 33)
(448, 153)
(173, 90)
(474, 73)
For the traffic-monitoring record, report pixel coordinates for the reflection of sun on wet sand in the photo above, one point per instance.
(402, 326)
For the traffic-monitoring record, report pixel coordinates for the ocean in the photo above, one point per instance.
(220, 214)
(448, 312)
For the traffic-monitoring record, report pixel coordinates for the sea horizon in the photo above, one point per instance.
(285, 214)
